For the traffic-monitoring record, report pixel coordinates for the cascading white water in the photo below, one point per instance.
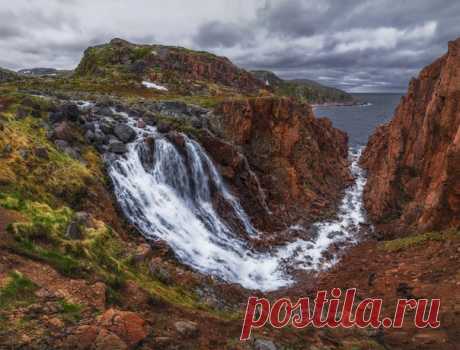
(170, 198)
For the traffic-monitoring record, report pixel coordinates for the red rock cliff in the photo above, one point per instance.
(413, 162)
(300, 161)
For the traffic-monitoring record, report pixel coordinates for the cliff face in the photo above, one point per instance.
(413, 162)
(300, 161)
(181, 70)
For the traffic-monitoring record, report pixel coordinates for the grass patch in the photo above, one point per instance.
(70, 312)
(416, 240)
(64, 264)
(18, 291)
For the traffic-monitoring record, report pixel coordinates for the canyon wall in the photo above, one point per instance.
(300, 161)
(413, 162)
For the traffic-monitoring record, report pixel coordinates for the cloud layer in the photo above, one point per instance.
(354, 45)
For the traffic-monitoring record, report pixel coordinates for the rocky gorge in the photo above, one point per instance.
(137, 216)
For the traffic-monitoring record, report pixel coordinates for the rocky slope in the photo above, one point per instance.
(180, 70)
(413, 162)
(300, 161)
(303, 89)
(7, 75)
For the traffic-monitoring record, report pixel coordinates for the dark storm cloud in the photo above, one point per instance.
(219, 34)
(355, 45)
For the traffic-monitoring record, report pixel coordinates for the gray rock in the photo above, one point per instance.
(63, 131)
(106, 128)
(159, 272)
(24, 154)
(61, 145)
(74, 231)
(70, 111)
(124, 132)
(42, 152)
(89, 136)
(56, 117)
(163, 127)
(264, 344)
(117, 147)
(106, 111)
(7, 149)
(187, 328)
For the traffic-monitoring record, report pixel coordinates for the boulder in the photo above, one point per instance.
(176, 138)
(74, 230)
(41, 152)
(141, 123)
(163, 127)
(187, 329)
(118, 147)
(56, 117)
(264, 344)
(159, 272)
(63, 131)
(70, 111)
(143, 252)
(128, 326)
(108, 341)
(124, 132)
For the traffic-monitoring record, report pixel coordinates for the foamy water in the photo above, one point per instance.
(168, 197)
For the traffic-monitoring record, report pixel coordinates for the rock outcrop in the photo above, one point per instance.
(7, 75)
(304, 90)
(299, 162)
(413, 162)
(181, 70)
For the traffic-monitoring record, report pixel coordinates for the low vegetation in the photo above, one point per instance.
(401, 244)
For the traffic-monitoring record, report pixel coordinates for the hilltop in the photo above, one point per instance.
(304, 89)
(175, 69)
(7, 75)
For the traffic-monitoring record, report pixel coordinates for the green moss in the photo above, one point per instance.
(70, 312)
(64, 264)
(18, 291)
(416, 240)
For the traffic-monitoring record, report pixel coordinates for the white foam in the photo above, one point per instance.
(171, 201)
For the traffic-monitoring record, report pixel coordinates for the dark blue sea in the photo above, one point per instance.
(359, 122)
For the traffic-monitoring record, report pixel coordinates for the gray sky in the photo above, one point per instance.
(354, 45)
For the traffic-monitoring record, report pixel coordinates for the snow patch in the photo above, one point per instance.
(150, 85)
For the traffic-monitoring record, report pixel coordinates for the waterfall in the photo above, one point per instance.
(168, 196)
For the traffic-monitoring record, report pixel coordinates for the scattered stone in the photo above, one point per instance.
(264, 344)
(63, 131)
(105, 111)
(187, 329)
(177, 138)
(74, 230)
(159, 272)
(118, 147)
(142, 253)
(89, 136)
(61, 145)
(163, 127)
(41, 152)
(56, 117)
(126, 325)
(70, 111)
(108, 341)
(55, 322)
(7, 149)
(106, 128)
(124, 132)
(24, 154)
(141, 123)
